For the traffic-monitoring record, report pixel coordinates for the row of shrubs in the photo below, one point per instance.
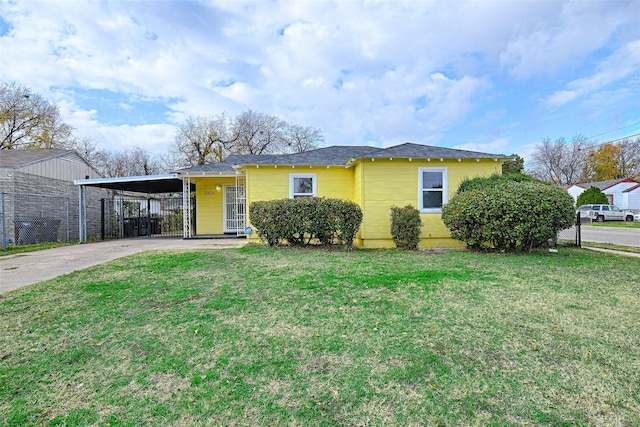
(512, 212)
(306, 220)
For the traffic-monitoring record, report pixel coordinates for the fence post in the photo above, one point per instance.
(68, 223)
(578, 230)
(102, 218)
(4, 234)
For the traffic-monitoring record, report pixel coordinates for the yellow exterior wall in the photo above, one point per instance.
(375, 185)
(209, 215)
(269, 183)
(387, 183)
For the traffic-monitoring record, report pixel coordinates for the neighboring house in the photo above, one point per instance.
(375, 178)
(38, 191)
(623, 192)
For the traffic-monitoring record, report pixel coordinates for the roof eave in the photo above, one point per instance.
(221, 174)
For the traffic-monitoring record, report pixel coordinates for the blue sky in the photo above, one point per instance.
(494, 76)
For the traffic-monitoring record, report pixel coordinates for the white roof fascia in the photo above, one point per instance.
(94, 181)
(210, 174)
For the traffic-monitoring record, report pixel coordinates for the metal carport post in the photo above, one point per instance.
(82, 214)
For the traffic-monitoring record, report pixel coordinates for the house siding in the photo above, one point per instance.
(631, 199)
(388, 183)
(575, 191)
(209, 204)
(376, 185)
(270, 183)
(614, 193)
(67, 168)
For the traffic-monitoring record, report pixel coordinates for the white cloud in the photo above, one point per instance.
(154, 138)
(499, 145)
(566, 39)
(621, 64)
(364, 72)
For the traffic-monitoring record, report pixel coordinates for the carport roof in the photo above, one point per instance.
(166, 183)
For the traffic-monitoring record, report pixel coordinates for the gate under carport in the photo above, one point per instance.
(151, 216)
(157, 211)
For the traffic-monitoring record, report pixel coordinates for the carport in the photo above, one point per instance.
(148, 184)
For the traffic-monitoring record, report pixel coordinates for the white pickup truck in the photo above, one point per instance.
(600, 213)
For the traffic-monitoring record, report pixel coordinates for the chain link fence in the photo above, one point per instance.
(28, 219)
(572, 236)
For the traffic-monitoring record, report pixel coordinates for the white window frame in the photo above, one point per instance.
(314, 183)
(445, 189)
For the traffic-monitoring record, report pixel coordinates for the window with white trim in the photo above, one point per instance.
(302, 185)
(433, 189)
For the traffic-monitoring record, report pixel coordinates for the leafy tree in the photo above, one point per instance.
(604, 162)
(615, 160)
(513, 166)
(592, 196)
(29, 121)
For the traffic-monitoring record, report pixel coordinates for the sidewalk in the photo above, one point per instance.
(33, 267)
(611, 251)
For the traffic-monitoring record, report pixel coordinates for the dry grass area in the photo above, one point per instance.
(261, 336)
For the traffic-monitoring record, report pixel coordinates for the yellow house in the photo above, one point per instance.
(374, 178)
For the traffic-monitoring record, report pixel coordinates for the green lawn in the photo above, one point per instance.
(616, 224)
(261, 336)
(18, 249)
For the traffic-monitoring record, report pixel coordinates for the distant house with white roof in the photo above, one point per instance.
(622, 192)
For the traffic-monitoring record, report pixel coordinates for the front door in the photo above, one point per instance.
(234, 209)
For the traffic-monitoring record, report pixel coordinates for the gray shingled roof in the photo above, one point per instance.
(223, 167)
(329, 156)
(11, 159)
(409, 150)
(602, 185)
(340, 156)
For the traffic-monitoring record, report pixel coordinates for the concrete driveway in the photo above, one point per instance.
(33, 267)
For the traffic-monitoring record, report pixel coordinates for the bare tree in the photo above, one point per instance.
(257, 133)
(141, 162)
(133, 162)
(562, 162)
(87, 148)
(202, 140)
(297, 138)
(629, 158)
(29, 121)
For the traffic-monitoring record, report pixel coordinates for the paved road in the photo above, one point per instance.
(33, 267)
(618, 236)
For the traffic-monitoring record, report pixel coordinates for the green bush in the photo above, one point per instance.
(592, 196)
(306, 220)
(481, 182)
(406, 227)
(508, 215)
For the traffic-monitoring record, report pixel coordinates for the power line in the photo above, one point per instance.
(618, 139)
(623, 127)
